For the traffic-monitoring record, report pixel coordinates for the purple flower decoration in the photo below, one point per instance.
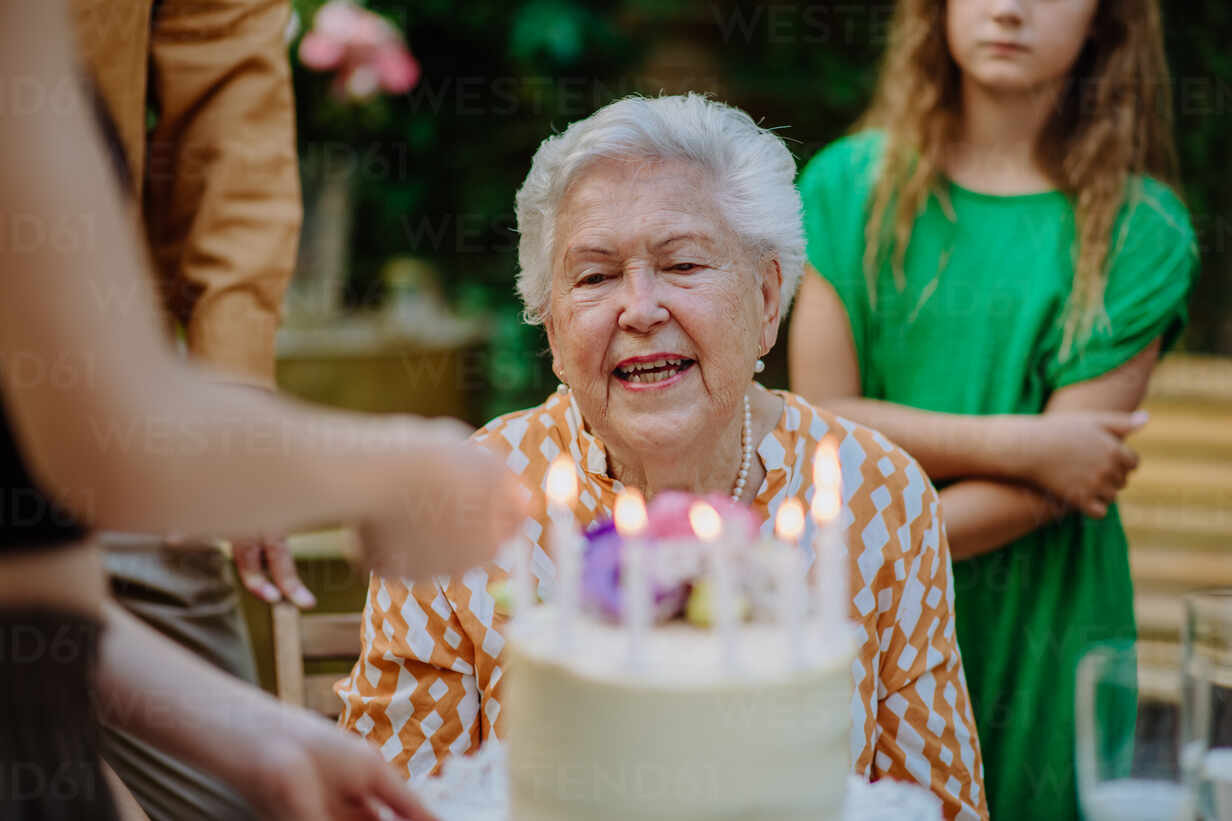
(601, 588)
(668, 523)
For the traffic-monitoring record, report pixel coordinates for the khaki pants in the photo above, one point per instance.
(189, 595)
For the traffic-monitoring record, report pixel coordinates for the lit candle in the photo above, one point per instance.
(561, 492)
(630, 515)
(788, 526)
(708, 527)
(828, 560)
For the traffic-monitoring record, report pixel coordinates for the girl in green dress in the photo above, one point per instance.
(1001, 262)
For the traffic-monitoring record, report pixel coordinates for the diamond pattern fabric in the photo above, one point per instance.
(427, 684)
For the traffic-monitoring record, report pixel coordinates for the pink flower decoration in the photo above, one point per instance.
(668, 515)
(366, 52)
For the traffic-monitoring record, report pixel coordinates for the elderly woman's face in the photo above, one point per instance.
(658, 311)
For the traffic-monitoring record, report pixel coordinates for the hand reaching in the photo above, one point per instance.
(312, 771)
(452, 507)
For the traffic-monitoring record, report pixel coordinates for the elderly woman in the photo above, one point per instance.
(661, 242)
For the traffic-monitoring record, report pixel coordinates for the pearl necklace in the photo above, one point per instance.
(746, 454)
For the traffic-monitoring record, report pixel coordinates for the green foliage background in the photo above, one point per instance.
(437, 169)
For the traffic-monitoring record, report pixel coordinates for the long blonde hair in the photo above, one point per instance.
(1114, 120)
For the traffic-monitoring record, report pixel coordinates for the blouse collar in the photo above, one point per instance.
(590, 452)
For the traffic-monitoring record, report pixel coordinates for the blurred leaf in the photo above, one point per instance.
(554, 28)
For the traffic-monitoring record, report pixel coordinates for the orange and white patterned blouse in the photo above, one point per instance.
(428, 682)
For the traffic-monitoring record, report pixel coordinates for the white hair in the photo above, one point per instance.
(753, 171)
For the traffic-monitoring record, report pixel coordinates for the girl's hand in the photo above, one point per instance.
(311, 771)
(1081, 457)
(449, 506)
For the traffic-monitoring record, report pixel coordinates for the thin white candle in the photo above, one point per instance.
(831, 570)
(833, 581)
(708, 526)
(790, 584)
(523, 583)
(561, 491)
(629, 513)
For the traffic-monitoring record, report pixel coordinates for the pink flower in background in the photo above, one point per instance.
(367, 53)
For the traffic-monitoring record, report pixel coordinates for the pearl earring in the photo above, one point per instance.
(759, 366)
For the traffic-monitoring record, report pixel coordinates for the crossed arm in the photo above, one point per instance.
(1015, 473)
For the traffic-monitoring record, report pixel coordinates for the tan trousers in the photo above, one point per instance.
(190, 597)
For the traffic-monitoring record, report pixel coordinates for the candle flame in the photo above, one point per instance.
(562, 482)
(629, 512)
(789, 522)
(705, 521)
(827, 482)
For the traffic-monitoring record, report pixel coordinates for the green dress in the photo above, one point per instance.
(976, 331)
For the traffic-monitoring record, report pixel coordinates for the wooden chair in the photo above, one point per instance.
(1177, 508)
(312, 637)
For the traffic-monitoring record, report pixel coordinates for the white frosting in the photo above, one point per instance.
(678, 654)
(682, 738)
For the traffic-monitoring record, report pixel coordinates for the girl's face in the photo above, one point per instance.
(1017, 45)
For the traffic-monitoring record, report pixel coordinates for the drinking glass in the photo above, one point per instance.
(1206, 664)
(1128, 746)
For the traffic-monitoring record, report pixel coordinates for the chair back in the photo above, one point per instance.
(310, 637)
(1175, 508)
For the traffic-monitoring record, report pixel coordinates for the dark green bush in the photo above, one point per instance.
(438, 168)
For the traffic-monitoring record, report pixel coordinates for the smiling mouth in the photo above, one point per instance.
(654, 371)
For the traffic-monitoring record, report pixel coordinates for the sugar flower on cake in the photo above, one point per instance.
(677, 558)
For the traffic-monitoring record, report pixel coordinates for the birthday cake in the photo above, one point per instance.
(687, 676)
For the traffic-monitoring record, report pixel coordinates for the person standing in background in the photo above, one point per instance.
(998, 261)
(217, 180)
